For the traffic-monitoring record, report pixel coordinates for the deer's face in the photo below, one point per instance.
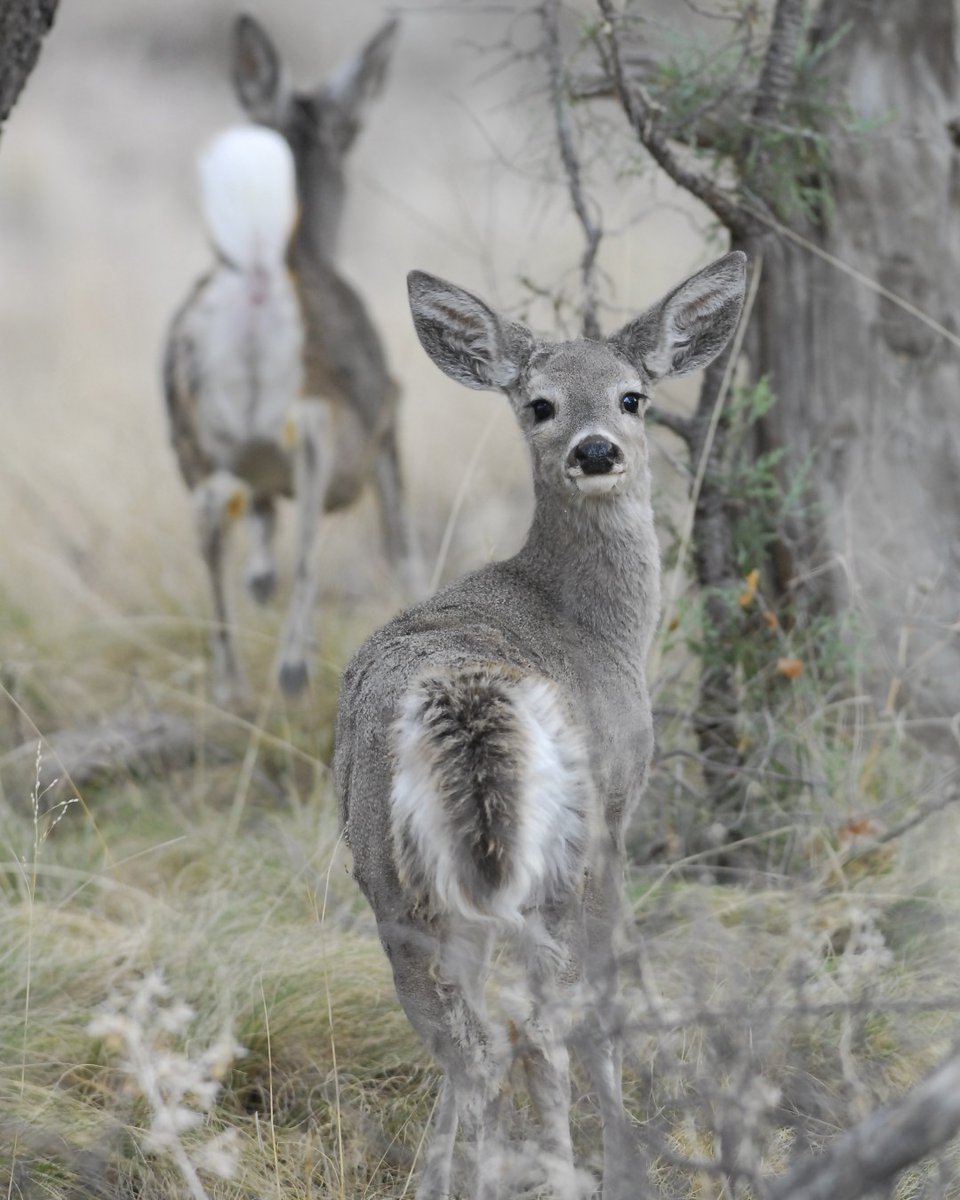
(581, 403)
(581, 407)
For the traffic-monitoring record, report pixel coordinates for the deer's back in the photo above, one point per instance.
(344, 360)
(497, 616)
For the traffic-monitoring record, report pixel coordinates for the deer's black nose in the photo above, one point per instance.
(596, 456)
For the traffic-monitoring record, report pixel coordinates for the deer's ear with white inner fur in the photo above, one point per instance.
(361, 78)
(259, 78)
(692, 324)
(465, 338)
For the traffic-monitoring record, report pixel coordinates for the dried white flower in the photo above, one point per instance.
(179, 1090)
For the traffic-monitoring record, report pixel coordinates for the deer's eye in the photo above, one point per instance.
(542, 410)
(631, 402)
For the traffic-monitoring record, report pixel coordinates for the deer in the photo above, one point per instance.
(334, 430)
(493, 741)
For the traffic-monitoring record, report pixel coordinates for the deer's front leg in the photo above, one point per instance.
(311, 478)
(394, 518)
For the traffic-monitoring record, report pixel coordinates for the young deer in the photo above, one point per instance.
(333, 398)
(493, 741)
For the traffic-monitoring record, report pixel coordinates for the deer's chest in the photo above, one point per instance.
(616, 710)
(250, 353)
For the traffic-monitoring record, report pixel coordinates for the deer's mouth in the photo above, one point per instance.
(598, 483)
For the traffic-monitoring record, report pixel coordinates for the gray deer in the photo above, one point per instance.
(342, 431)
(493, 741)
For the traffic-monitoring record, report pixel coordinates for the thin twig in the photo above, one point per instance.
(681, 426)
(592, 233)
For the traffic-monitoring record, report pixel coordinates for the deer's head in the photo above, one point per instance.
(581, 404)
(320, 123)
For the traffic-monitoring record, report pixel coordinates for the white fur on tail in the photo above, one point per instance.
(249, 195)
(546, 855)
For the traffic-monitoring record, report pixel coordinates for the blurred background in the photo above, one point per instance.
(455, 172)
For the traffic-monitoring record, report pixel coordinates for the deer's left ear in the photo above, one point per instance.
(690, 325)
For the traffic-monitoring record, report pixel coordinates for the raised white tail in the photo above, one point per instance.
(491, 793)
(249, 196)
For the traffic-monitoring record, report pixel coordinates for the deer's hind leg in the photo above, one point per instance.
(599, 1038)
(312, 470)
(440, 987)
(394, 518)
(218, 501)
(550, 947)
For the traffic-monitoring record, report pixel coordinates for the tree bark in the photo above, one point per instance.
(23, 26)
(716, 714)
(867, 392)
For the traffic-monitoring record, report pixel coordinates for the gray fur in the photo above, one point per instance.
(576, 608)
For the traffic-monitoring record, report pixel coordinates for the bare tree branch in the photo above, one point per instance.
(717, 124)
(875, 1151)
(779, 64)
(549, 15)
(681, 426)
(641, 113)
(776, 80)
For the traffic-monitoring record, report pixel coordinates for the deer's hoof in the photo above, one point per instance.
(262, 585)
(293, 678)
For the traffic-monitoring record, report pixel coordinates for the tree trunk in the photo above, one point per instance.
(716, 713)
(864, 387)
(23, 25)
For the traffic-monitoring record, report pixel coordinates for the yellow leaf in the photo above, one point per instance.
(745, 599)
(791, 667)
(770, 620)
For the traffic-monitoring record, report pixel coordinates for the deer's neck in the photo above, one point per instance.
(320, 187)
(598, 560)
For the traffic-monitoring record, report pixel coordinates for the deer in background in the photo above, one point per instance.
(337, 431)
(493, 741)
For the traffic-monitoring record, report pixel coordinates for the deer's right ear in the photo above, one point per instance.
(361, 78)
(465, 338)
(259, 79)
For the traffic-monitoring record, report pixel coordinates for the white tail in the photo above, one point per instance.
(490, 795)
(249, 196)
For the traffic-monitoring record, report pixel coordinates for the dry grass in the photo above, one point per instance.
(227, 875)
(797, 1005)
